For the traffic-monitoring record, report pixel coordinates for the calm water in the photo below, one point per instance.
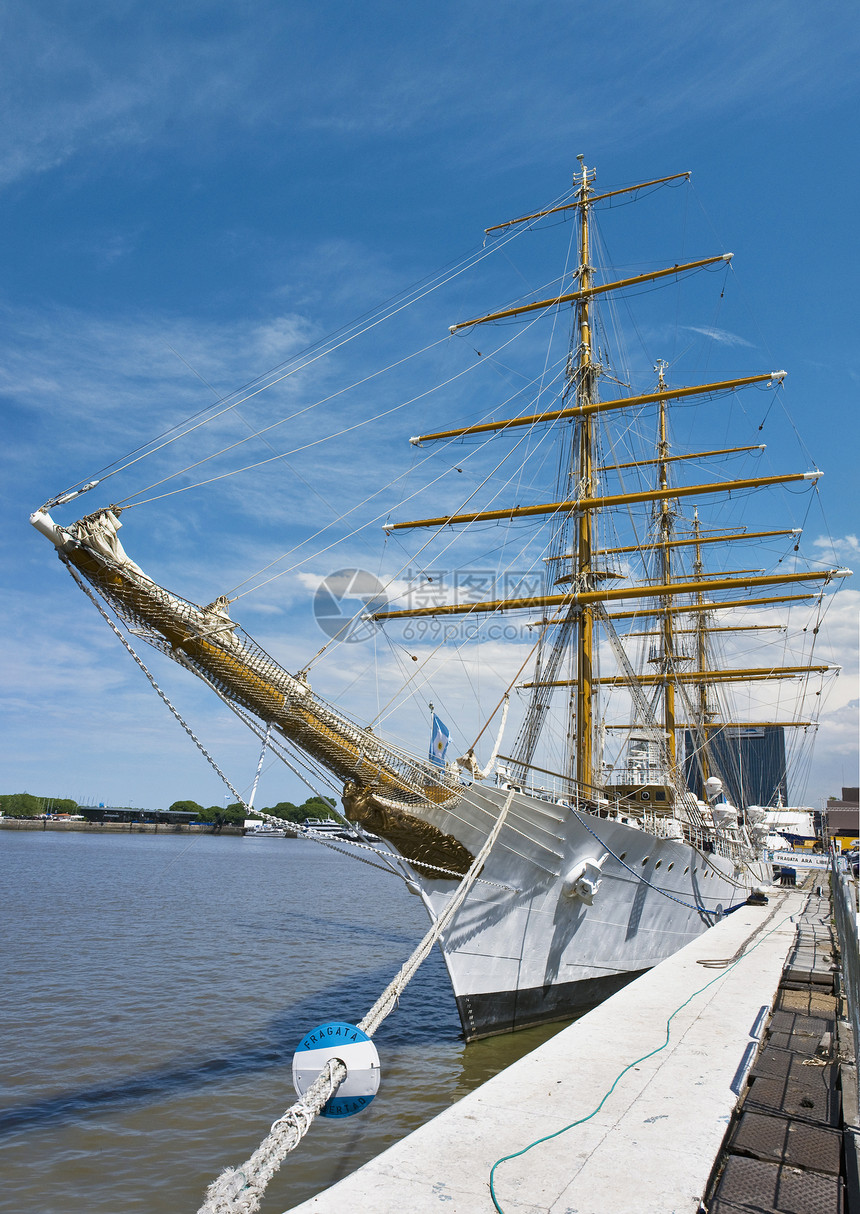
(154, 989)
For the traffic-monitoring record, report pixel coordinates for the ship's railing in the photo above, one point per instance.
(714, 843)
(555, 788)
(641, 772)
(844, 896)
(662, 825)
(732, 849)
(696, 836)
(566, 792)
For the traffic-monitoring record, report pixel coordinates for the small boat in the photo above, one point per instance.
(263, 830)
(793, 827)
(328, 828)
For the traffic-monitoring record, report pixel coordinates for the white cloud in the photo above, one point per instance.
(80, 387)
(844, 547)
(720, 335)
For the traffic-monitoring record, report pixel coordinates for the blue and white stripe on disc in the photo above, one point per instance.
(355, 1050)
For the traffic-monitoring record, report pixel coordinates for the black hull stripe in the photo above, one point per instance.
(488, 1015)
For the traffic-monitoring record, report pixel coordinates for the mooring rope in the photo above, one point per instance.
(240, 1190)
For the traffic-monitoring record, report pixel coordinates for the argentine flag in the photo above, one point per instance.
(438, 742)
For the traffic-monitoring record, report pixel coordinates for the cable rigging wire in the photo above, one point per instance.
(312, 354)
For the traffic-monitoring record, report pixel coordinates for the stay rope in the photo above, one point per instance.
(154, 684)
(240, 1190)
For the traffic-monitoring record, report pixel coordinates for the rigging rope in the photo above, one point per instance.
(259, 770)
(353, 509)
(240, 1190)
(314, 353)
(295, 827)
(323, 348)
(155, 686)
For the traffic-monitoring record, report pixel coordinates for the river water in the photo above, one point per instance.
(154, 989)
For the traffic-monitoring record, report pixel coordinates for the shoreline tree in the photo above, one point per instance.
(26, 805)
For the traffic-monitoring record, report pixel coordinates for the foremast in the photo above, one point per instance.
(586, 392)
(668, 657)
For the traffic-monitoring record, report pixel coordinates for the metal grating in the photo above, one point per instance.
(798, 1024)
(818, 1104)
(808, 1003)
(782, 1140)
(774, 1063)
(803, 1044)
(754, 1184)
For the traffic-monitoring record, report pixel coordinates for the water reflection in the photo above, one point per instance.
(159, 991)
(271, 1047)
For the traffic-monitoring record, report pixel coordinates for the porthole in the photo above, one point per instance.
(623, 856)
(659, 862)
(686, 870)
(670, 866)
(645, 861)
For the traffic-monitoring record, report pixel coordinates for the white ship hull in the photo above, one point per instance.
(522, 951)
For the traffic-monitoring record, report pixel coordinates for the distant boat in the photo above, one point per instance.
(791, 827)
(330, 829)
(263, 830)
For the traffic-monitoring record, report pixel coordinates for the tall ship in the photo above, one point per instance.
(604, 584)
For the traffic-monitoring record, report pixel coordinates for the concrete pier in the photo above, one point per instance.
(649, 1143)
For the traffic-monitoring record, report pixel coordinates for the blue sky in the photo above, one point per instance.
(192, 194)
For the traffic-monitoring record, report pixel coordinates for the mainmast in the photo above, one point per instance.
(586, 387)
